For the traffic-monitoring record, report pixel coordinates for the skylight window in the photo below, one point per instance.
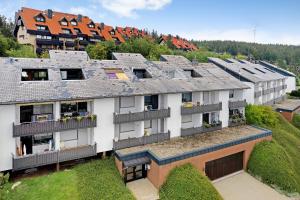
(191, 73)
(115, 73)
(71, 74)
(34, 75)
(270, 70)
(260, 70)
(141, 73)
(247, 70)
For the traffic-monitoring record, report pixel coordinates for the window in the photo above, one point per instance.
(40, 18)
(74, 22)
(214, 117)
(94, 32)
(91, 25)
(126, 127)
(115, 73)
(41, 28)
(231, 94)
(247, 70)
(73, 109)
(127, 102)
(77, 30)
(112, 32)
(64, 22)
(71, 74)
(205, 118)
(186, 118)
(191, 73)
(21, 37)
(270, 70)
(141, 73)
(34, 75)
(42, 138)
(260, 70)
(66, 31)
(186, 97)
(80, 38)
(151, 102)
(44, 37)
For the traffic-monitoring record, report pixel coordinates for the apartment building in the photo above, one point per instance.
(69, 107)
(267, 85)
(46, 30)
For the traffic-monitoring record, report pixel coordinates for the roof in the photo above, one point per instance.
(247, 71)
(96, 83)
(277, 69)
(288, 105)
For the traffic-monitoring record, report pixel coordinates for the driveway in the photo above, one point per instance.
(243, 186)
(143, 189)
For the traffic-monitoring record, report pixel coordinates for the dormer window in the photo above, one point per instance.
(66, 31)
(74, 22)
(41, 28)
(91, 25)
(191, 73)
(141, 73)
(40, 18)
(71, 74)
(34, 74)
(64, 22)
(112, 32)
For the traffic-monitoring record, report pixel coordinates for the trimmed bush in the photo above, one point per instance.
(261, 115)
(187, 183)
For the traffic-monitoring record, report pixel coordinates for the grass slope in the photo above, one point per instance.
(94, 180)
(276, 162)
(187, 183)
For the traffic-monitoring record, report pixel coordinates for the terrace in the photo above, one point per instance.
(207, 142)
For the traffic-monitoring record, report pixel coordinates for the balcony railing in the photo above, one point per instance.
(201, 108)
(268, 91)
(278, 88)
(203, 129)
(132, 142)
(237, 104)
(141, 116)
(257, 94)
(27, 129)
(284, 87)
(51, 157)
(236, 122)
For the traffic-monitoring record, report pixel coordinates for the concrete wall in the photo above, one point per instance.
(224, 113)
(249, 93)
(104, 132)
(7, 142)
(174, 121)
(291, 83)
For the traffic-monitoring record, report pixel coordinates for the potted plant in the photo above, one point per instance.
(65, 119)
(92, 117)
(79, 118)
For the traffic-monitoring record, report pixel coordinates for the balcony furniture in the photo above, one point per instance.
(32, 128)
(141, 116)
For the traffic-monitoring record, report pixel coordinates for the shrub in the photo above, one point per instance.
(3, 179)
(296, 120)
(186, 182)
(271, 163)
(261, 115)
(295, 93)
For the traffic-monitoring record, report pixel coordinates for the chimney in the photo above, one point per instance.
(79, 18)
(49, 13)
(102, 26)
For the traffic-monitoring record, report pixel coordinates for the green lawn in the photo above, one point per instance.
(187, 183)
(93, 180)
(276, 162)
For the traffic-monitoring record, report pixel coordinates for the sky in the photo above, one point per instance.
(261, 21)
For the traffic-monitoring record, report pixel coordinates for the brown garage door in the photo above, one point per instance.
(223, 166)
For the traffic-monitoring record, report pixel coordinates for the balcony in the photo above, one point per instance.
(52, 157)
(32, 128)
(133, 142)
(83, 42)
(278, 88)
(237, 104)
(284, 87)
(70, 44)
(236, 121)
(188, 110)
(45, 42)
(268, 91)
(141, 116)
(204, 129)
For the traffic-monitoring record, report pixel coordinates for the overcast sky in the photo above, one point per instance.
(263, 21)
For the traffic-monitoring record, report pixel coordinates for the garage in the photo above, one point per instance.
(224, 166)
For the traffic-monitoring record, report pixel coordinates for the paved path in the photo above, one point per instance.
(143, 189)
(243, 186)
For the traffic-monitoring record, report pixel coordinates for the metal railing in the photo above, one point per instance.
(32, 128)
(52, 157)
(237, 104)
(201, 108)
(202, 129)
(132, 142)
(141, 116)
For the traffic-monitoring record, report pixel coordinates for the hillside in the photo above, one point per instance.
(285, 56)
(276, 162)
